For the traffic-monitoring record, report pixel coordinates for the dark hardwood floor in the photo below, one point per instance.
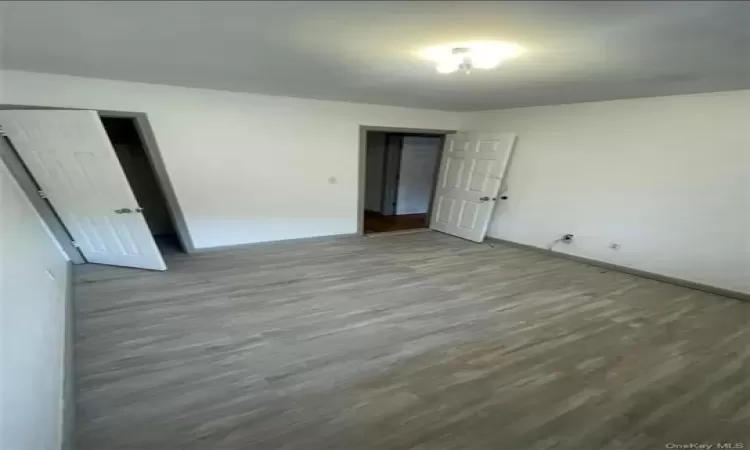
(378, 223)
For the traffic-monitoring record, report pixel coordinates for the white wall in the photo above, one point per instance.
(375, 164)
(419, 158)
(666, 178)
(33, 281)
(245, 168)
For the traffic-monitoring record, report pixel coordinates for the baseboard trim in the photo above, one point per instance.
(328, 238)
(69, 400)
(629, 270)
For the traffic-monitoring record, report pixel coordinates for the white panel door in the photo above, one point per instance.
(71, 158)
(471, 172)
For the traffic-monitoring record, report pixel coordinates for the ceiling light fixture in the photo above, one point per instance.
(472, 55)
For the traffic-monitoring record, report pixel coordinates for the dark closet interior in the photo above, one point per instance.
(143, 181)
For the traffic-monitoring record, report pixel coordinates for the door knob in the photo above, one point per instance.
(123, 211)
(484, 199)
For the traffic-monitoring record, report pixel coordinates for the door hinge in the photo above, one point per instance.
(75, 244)
(42, 194)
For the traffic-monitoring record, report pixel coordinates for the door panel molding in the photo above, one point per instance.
(70, 156)
(23, 177)
(472, 170)
(148, 139)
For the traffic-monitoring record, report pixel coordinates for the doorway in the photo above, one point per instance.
(468, 176)
(139, 171)
(400, 174)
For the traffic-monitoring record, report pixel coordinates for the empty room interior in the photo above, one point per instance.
(375, 225)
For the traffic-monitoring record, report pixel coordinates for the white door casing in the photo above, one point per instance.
(471, 173)
(71, 158)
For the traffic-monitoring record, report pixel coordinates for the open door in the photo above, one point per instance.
(470, 176)
(72, 160)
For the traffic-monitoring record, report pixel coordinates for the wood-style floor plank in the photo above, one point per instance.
(418, 341)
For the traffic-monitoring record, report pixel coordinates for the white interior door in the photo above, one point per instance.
(471, 172)
(70, 156)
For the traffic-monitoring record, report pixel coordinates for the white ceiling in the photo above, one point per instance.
(366, 51)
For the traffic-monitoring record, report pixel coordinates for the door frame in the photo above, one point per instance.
(435, 175)
(156, 161)
(363, 129)
(391, 170)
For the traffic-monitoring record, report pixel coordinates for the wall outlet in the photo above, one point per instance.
(614, 246)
